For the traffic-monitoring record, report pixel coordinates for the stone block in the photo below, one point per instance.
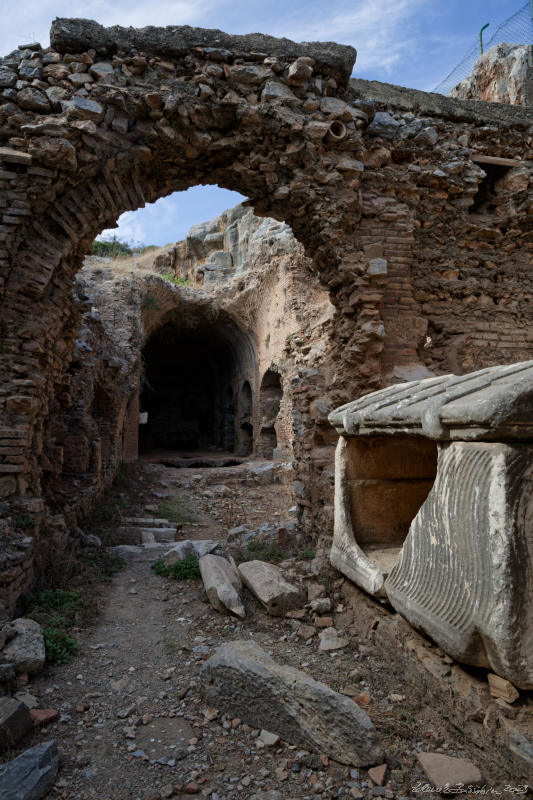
(26, 649)
(15, 722)
(32, 775)
(244, 681)
(450, 774)
(189, 547)
(266, 582)
(222, 584)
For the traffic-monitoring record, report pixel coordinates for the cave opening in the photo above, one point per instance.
(191, 375)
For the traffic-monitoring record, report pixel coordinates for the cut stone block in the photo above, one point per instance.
(15, 722)
(222, 584)
(242, 680)
(267, 583)
(446, 773)
(330, 640)
(31, 775)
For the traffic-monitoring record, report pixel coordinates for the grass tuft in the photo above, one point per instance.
(185, 570)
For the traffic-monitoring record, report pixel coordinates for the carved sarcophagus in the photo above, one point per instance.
(434, 510)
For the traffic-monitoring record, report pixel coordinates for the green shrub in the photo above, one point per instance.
(185, 570)
(261, 551)
(177, 280)
(54, 607)
(307, 555)
(60, 646)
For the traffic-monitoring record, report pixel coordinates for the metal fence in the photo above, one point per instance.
(517, 29)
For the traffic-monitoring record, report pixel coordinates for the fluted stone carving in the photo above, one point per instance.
(462, 569)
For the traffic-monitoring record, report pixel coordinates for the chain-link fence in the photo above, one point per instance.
(517, 29)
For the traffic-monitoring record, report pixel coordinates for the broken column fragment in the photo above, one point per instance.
(452, 557)
(242, 680)
(266, 582)
(222, 584)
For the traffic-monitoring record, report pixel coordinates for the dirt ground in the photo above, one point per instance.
(133, 722)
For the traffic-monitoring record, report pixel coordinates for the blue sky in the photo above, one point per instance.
(408, 42)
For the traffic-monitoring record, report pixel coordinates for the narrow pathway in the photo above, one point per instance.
(133, 723)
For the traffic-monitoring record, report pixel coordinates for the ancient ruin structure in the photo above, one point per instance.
(412, 210)
(448, 541)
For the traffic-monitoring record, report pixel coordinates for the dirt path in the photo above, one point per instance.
(133, 723)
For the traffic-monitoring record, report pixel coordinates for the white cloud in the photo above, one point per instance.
(382, 31)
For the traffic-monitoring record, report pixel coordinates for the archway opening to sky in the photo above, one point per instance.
(169, 219)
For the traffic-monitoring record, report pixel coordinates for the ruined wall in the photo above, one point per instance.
(379, 185)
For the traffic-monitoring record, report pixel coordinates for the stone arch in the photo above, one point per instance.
(158, 110)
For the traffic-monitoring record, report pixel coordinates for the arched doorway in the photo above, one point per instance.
(190, 370)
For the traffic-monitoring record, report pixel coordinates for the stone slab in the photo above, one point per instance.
(242, 680)
(447, 773)
(15, 722)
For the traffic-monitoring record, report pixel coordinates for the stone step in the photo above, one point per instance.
(148, 522)
(137, 536)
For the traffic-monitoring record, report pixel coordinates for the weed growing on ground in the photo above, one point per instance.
(176, 509)
(177, 280)
(104, 564)
(307, 555)
(257, 550)
(54, 607)
(60, 646)
(185, 570)
(56, 610)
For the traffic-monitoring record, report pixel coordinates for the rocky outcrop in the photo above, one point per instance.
(243, 681)
(213, 252)
(504, 74)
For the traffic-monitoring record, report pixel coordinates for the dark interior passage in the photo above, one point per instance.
(188, 391)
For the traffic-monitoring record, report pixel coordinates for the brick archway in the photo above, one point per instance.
(114, 118)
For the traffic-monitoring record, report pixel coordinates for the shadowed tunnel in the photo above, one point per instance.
(192, 375)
